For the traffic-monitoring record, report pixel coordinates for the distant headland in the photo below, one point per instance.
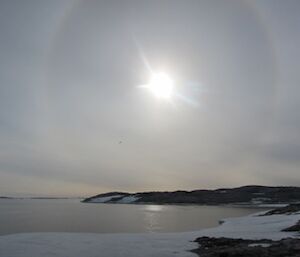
(253, 195)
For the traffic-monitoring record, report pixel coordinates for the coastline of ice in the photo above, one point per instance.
(146, 244)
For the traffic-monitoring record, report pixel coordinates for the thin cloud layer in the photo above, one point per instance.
(69, 95)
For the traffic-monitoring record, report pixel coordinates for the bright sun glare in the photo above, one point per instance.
(161, 85)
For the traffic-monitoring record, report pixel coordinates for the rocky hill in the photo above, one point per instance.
(241, 195)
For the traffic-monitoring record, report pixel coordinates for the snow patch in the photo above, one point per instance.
(261, 205)
(104, 199)
(273, 205)
(261, 244)
(259, 200)
(128, 199)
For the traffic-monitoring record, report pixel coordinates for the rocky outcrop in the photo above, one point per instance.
(295, 228)
(290, 209)
(246, 195)
(227, 247)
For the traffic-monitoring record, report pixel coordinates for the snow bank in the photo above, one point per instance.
(124, 199)
(261, 244)
(272, 205)
(104, 199)
(254, 227)
(141, 245)
(128, 199)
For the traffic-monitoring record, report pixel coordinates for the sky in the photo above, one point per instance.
(75, 121)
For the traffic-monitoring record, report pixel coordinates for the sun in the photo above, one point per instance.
(161, 85)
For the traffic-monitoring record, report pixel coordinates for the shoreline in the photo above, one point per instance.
(181, 244)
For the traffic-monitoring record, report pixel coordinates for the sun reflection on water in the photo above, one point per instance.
(152, 217)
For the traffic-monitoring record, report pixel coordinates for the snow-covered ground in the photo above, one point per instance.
(141, 245)
(128, 199)
(104, 199)
(254, 227)
(96, 245)
(124, 199)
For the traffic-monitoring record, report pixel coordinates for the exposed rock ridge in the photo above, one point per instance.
(242, 195)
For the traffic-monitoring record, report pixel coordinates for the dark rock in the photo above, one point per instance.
(295, 228)
(290, 209)
(228, 247)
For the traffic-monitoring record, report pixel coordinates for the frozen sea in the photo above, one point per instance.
(57, 244)
(70, 215)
